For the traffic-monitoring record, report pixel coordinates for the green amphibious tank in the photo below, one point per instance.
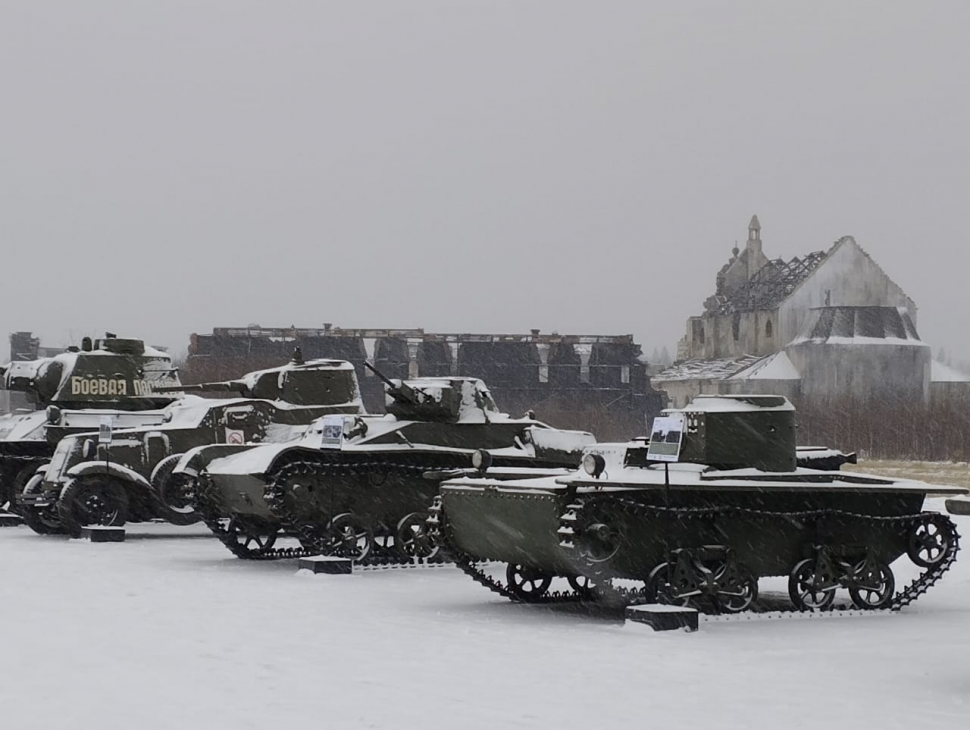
(128, 479)
(703, 530)
(359, 486)
(71, 392)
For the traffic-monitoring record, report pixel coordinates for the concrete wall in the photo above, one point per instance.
(863, 371)
(847, 277)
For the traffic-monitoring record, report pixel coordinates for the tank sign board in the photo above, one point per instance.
(666, 437)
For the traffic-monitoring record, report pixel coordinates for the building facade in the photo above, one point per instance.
(564, 378)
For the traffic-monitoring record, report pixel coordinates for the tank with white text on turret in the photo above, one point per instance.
(111, 378)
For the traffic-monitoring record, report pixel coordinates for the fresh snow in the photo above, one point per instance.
(168, 630)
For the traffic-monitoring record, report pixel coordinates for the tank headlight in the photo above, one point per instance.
(481, 460)
(53, 415)
(527, 436)
(594, 465)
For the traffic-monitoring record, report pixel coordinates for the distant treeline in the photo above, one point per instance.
(890, 428)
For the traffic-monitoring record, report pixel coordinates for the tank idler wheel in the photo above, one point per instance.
(96, 499)
(930, 541)
(42, 520)
(414, 539)
(252, 538)
(812, 587)
(871, 584)
(737, 588)
(584, 586)
(527, 584)
(348, 537)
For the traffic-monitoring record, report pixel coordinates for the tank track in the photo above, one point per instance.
(214, 512)
(310, 537)
(605, 591)
(210, 506)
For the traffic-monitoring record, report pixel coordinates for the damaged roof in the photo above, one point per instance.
(770, 286)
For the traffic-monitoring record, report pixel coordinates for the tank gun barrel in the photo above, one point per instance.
(225, 386)
(386, 380)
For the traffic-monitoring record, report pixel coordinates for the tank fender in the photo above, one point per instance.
(111, 469)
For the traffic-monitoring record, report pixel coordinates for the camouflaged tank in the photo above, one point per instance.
(128, 479)
(703, 531)
(112, 377)
(359, 486)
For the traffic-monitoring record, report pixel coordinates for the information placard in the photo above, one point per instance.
(666, 437)
(104, 430)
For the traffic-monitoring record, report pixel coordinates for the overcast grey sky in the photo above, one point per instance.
(170, 166)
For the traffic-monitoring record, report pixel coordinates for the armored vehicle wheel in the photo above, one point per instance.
(527, 584)
(737, 588)
(584, 586)
(930, 541)
(809, 589)
(348, 537)
(17, 486)
(250, 539)
(175, 492)
(660, 590)
(413, 538)
(872, 585)
(42, 520)
(96, 499)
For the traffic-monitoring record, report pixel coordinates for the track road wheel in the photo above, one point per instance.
(175, 492)
(661, 590)
(96, 499)
(42, 520)
(250, 538)
(584, 586)
(528, 584)
(930, 541)
(348, 537)
(413, 539)
(737, 588)
(872, 585)
(810, 589)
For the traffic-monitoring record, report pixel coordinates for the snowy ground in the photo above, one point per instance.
(169, 630)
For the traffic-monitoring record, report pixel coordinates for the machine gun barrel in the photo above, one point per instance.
(386, 380)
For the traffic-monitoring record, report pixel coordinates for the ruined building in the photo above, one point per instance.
(830, 324)
(595, 381)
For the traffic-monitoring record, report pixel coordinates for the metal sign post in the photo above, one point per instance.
(104, 436)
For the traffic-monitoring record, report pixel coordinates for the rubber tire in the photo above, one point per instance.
(66, 503)
(162, 479)
(17, 486)
(35, 519)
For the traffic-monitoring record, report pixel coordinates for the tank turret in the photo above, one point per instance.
(317, 382)
(102, 373)
(443, 400)
(739, 431)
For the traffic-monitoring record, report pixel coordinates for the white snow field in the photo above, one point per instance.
(168, 630)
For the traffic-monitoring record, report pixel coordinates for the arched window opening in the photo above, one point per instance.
(768, 329)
